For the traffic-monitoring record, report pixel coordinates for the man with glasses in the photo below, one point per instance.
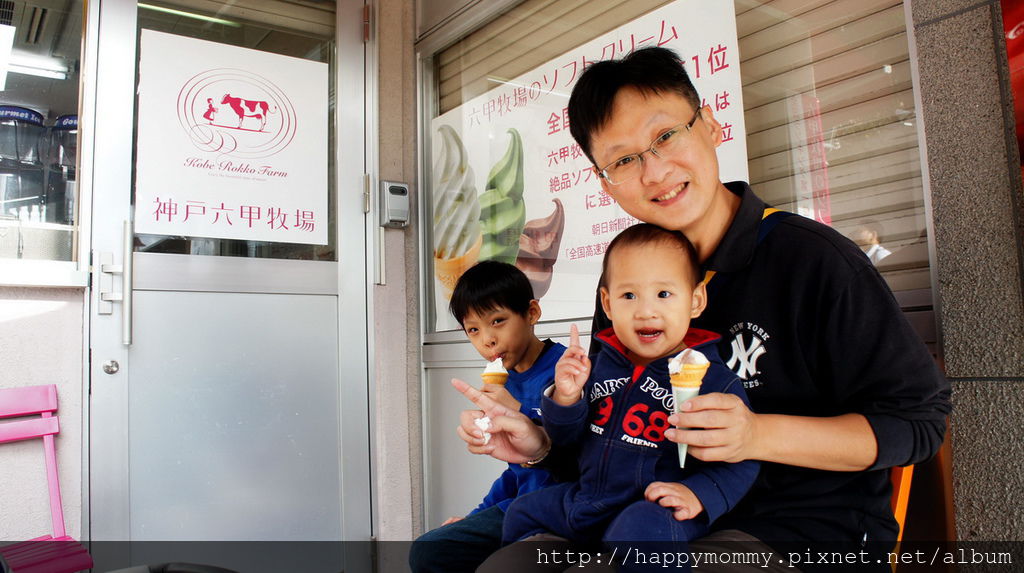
(841, 387)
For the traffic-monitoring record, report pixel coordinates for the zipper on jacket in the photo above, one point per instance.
(620, 415)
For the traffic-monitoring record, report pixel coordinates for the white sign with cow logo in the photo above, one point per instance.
(232, 142)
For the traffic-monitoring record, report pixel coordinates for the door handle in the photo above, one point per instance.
(107, 296)
(126, 283)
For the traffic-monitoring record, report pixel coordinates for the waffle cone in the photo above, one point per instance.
(494, 377)
(690, 376)
(448, 271)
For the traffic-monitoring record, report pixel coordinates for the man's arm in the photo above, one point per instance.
(840, 443)
(733, 433)
(885, 373)
(879, 372)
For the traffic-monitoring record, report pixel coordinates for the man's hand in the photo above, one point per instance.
(678, 497)
(514, 438)
(571, 371)
(724, 428)
(732, 433)
(501, 395)
(451, 520)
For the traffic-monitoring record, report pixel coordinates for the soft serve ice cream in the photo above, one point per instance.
(495, 372)
(686, 373)
(538, 248)
(502, 209)
(457, 237)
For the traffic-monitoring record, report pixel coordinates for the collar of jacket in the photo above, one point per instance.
(737, 247)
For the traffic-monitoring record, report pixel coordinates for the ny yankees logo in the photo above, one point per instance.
(744, 360)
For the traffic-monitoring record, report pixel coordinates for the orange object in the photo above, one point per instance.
(689, 376)
(901, 478)
(497, 378)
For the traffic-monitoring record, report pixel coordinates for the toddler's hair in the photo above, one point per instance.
(645, 233)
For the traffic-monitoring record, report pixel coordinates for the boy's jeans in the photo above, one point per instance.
(458, 547)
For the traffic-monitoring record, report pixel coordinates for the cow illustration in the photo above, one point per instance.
(244, 108)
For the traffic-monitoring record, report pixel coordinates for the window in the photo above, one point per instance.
(40, 51)
(831, 126)
(287, 27)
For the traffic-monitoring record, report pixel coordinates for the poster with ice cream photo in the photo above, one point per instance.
(509, 183)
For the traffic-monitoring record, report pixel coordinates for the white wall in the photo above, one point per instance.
(41, 343)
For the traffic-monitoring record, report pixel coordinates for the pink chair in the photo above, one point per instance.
(55, 553)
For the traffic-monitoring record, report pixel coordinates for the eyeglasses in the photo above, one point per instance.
(629, 167)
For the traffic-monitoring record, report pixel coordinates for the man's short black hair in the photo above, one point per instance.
(650, 70)
(646, 233)
(489, 285)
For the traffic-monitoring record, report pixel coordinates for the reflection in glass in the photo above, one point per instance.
(831, 125)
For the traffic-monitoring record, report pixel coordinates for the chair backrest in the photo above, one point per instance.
(901, 478)
(40, 401)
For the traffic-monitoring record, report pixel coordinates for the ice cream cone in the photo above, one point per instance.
(686, 384)
(494, 377)
(689, 376)
(448, 271)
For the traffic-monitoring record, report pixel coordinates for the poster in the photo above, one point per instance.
(232, 142)
(510, 183)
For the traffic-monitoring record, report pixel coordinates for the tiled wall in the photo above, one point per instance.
(974, 171)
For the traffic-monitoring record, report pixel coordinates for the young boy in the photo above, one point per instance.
(494, 304)
(616, 405)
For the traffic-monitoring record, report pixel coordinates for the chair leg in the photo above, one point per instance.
(52, 480)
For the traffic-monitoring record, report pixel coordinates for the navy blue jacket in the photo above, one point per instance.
(619, 426)
(527, 387)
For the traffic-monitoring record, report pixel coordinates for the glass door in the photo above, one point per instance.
(227, 404)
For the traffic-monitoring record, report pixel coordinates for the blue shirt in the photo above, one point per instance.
(527, 387)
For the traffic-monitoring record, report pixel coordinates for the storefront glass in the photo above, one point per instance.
(40, 55)
(827, 108)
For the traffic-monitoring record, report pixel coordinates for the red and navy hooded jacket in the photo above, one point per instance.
(619, 427)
